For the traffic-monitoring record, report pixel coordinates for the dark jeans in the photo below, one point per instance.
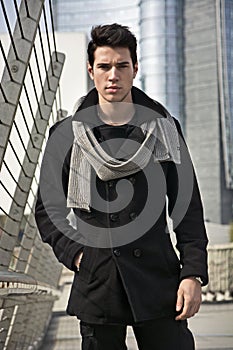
(162, 334)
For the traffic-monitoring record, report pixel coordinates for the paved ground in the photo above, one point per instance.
(212, 328)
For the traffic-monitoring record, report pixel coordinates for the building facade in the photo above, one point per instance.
(161, 43)
(207, 100)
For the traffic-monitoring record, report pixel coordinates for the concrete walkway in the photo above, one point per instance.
(212, 328)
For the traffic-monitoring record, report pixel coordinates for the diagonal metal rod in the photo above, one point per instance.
(43, 54)
(18, 59)
(39, 72)
(6, 61)
(34, 88)
(47, 34)
(27, 9)
(18, 18)
(3, 93)
(52, 23)
(9, 29)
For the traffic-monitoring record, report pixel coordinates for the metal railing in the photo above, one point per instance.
(29, 103)
(220, 259)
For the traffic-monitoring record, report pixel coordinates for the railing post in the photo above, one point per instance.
(13, 221)
(18, 59)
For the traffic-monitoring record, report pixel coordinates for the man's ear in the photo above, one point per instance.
(90, 70)
(135, 69)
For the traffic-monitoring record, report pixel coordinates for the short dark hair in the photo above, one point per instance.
(113, 35)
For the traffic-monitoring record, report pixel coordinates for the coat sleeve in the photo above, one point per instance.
(51, 210)
(186, 211)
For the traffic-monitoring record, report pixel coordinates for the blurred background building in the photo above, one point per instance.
(185, 55)
(208, 101)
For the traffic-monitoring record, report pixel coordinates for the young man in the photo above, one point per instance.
(114, 163)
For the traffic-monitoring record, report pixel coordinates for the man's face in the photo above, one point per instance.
(113, 73)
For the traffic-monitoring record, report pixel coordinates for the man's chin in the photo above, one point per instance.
(114, 98)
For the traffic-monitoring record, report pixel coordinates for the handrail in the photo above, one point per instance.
(220, 261)
(12, 283)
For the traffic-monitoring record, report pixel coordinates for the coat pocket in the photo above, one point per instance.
(87, 265)
(173, 261)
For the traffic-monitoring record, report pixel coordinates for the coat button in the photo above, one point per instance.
(137, 253)
(114, 217)
(132, 216)
(111, 183)
(117, 252)
(132, 180)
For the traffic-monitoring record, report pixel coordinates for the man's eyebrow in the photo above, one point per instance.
(123, 62)
(108, 64)
(103, 64)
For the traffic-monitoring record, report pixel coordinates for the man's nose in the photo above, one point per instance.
(113, 74)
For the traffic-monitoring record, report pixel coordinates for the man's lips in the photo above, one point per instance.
(113, 88)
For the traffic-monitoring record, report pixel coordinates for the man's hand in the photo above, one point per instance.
(188, 298)
(77, 260)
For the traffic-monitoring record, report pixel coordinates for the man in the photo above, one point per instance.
(114, 163)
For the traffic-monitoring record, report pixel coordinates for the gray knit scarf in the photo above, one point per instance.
(161, 140)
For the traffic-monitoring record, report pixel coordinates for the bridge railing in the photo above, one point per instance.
(220, 259)
(30, 70)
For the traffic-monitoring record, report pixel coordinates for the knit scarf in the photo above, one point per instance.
(161, 141)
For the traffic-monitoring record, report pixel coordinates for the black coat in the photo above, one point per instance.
(148, 266)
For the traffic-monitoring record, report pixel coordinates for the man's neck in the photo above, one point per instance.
(117, 113)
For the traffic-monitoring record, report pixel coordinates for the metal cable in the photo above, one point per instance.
(10, 195)
(43, 54)
(34, 88)
(47, 36)
(13, 178)
(5, 61)
(20, 206)
(24, 147)
(3, 93)
(30, 106)
(33, 193)
(17, 158)
(9, 29)
(25, 122)
(39, 73)
(53, 31)
(19, 20)
(27, 9)
(18, 221)
(3, 229)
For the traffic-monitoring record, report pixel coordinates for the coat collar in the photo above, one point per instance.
(147, 108)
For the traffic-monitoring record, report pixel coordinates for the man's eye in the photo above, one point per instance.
(122, 66)
(104, 66)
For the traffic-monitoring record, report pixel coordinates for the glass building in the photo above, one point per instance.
(161, 43)
(81, 15)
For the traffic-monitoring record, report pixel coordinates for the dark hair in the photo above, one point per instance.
(113, 35)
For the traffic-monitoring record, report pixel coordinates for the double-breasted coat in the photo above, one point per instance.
(147, 266)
